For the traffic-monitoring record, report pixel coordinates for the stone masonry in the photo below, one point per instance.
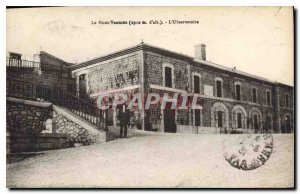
(75, 132)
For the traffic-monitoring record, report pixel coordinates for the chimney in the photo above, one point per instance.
(200, 52)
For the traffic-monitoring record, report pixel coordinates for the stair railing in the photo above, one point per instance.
(59, 96)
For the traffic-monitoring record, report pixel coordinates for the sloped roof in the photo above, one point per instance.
(143, 46)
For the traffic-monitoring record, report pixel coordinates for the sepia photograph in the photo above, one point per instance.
(150, 97)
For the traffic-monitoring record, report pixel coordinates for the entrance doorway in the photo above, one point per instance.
(220, 119)
(288, 123)
(197, 117)
(82, 86)
(169, 119)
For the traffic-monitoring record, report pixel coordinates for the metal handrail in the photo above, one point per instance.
(12, 62)
(59, 96)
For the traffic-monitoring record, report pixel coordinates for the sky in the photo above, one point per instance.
(256, 40)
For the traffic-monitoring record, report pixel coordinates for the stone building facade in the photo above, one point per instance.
(231, 100)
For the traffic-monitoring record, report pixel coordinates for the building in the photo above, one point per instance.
(232, 101)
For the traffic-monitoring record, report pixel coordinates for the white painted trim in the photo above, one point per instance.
(29, 102)
(215, 92)
(157, 87)
(76, 119)
(235, 110)
(116, 90)
(78, 73)
(226, 117)
(237, 83)
(252, 113)
(153, 86)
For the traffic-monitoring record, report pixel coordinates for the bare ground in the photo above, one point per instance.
(153, 160)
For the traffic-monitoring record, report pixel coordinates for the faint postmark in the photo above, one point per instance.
(248, 151)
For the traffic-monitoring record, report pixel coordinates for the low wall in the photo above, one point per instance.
(34, 126)
(35, 142)
(77, 129)
(197, 129)
(75, 132)
(115, 130)
(26, 117)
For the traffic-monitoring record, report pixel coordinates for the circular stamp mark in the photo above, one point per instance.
(248, 151)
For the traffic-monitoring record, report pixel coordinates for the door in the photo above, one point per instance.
(169, 119)
(82, 86)
(239, 120)
(220, 119)
(255, 123)
(288, 123)
(197, 117)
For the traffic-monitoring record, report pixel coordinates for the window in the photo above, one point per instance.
(286, 100)
(196, 84)
(239, 120)
(168, 77)
(254, 95)
(219, 88)
(238, 92)
(268, 98)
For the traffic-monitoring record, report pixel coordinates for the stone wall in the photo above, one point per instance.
(36, 142)
(34, 126)
(50, 63)
(75, 132)
(114, 74)
(45, 79)
(183, 80)
(25, 121)
(22, 118)
(153, 63)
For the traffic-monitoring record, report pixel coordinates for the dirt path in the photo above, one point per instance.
(173, 160)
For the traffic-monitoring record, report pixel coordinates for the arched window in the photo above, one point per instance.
(256, 119)
(239, 117)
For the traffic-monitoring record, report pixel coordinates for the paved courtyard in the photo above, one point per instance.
(153, 160)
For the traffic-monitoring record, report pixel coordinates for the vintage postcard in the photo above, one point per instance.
(150, 97)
